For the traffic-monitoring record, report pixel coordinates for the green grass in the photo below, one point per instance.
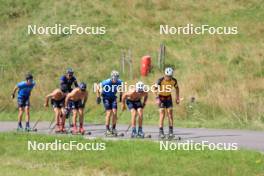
(224, 73)
(120, 158)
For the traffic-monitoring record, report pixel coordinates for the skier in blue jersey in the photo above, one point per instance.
(108, 89)
(23, 100)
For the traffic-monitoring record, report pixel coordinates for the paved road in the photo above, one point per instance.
(244, 138)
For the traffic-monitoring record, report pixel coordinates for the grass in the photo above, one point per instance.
(120, 158)
(224, 73)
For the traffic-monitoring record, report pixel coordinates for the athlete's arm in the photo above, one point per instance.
(177, 92)
(67, 99)
(75, 83)
(124, 97)
(155, 91)
(46, 104)
(177, 95)
(120, 96)
(98, 93)
(14, 92)
(85, 98)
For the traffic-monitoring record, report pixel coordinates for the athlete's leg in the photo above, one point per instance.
(74, 116)
(81, 113)
(62, 117)
(57, 118)
(133, 122)
(140, 122)
(20, 114)
(114, 118)
(170, 117)
(133, 118)
(161, 121)
(81, 117)
(27, 110)
(74, 120)
(107, 118)
(140, 117)
(162, 115)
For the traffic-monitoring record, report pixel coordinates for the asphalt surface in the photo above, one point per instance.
(243, 138)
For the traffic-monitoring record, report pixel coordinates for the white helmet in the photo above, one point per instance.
(168, 71)
(114, 75)
(140, 86)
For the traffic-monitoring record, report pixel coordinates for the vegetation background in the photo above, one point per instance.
(224, 72)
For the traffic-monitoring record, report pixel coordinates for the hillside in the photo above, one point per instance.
(224, 72)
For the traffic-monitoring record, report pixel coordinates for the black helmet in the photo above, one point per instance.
(64, 87)
(82, 86)
(69, 71)
(29, 76)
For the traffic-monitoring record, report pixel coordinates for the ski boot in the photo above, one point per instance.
(20, 129)
(170, 135)
(108, 133)
(28, 129)
(74, 130)
(58, 129)
(161, 134)
(114, 132)
(141, 134)
(81, 130)
(134, 133)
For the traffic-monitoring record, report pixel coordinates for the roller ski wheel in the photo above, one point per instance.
(162, 136)
(108, 133)
(19, 129)
(28, 129)
(74, 131)
(148, 136)
(173, 137)
(133, 135)
(58, 130)
(88, 133)
(63, 131)
(120, 134)
(141, 135)
(82, 131)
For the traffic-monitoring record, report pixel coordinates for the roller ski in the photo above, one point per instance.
(108, 133)
(19, 129)
(28, 129)
(142, 135)
(113, 133)
(57, 128)
(83, 132)
(172, 136)
(116, 134)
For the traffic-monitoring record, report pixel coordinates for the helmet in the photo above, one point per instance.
(69, 71)
(64, 87)
(29, 76)
(168, 71)
(114, 75)
(82, 86)
(140, 86)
